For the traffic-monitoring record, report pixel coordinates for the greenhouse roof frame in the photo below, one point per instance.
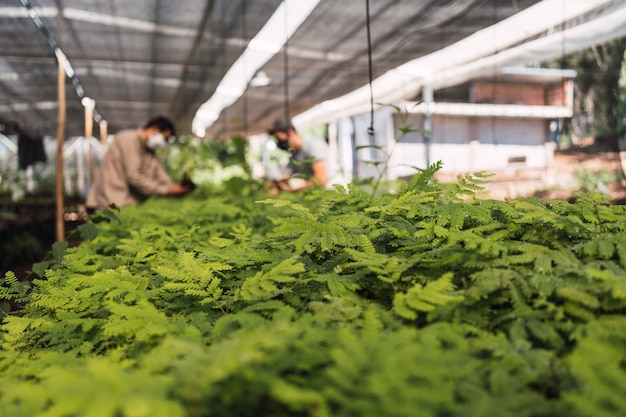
(147, 57)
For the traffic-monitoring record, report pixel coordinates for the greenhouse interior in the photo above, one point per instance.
(312, 208)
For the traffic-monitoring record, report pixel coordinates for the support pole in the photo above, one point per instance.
(428, 96)
(60, 204)
(89, 107)
(103, 132)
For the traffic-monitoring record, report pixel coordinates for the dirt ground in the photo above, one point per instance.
(588, 168)
(584, 168)
(571, 170)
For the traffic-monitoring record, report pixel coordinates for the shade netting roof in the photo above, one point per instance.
(141, 58)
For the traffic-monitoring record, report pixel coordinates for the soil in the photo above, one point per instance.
(595, 164)
(581, 168)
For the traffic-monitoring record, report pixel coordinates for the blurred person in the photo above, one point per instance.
(307, 165)
(130, 171)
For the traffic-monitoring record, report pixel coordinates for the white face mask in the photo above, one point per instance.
(156, 141)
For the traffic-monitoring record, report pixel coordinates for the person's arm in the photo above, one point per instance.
(178, 189)
(173, 189)
(319, 173)
(318, 178)
(142, 169)
(147, 175)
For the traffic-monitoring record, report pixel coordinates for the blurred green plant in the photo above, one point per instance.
(417, 303)
(382, 164)
(327, 304)
(207, 161)
(21, 246)
(589, 180)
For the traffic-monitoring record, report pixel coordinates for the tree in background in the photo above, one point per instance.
(621, 110)
(599, 107)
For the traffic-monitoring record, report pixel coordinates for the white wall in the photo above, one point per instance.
(469, 144)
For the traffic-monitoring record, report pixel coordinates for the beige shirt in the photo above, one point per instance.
(128, 174)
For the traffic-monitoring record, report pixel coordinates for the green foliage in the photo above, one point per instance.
(598, 364)
(425, 298)
(19, 247)
(599, 83)
(428, 301)
(207, 162)
(11, 289)
(589, 180)
(382, 157)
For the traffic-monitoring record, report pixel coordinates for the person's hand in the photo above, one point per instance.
(179, 189)
(274, 187)
(187, 182)
(283, 185)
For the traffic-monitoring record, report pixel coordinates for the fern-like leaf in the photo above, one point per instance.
(312, 234)
(265, 285)
(299, 208)
(192, 277)
(425, 298)
(11, 289)
(141, 321)
(387, 268)
(406, 204)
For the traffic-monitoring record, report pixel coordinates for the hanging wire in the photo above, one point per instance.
(443, 44)
(495, 82)
(563, 51)
(286, 65)
(223, 58)
(244, 35)
(370, 129)
(562, 64)
(563, 27)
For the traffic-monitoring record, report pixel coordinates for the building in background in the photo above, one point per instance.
(505, 125)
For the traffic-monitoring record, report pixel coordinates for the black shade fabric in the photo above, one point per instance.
(30, 149)
(142, 58)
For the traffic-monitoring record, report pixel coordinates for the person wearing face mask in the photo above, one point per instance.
(130, 171)
(307, 162)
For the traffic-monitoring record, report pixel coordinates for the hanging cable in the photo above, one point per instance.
(223, 59)
(286, 65)
(370, 129)
(495, 82)
(558, 124)
(561, 59)
(244, 35)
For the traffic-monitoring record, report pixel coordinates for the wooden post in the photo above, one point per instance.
(60, 203)
(89, 106)
(103, 132)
